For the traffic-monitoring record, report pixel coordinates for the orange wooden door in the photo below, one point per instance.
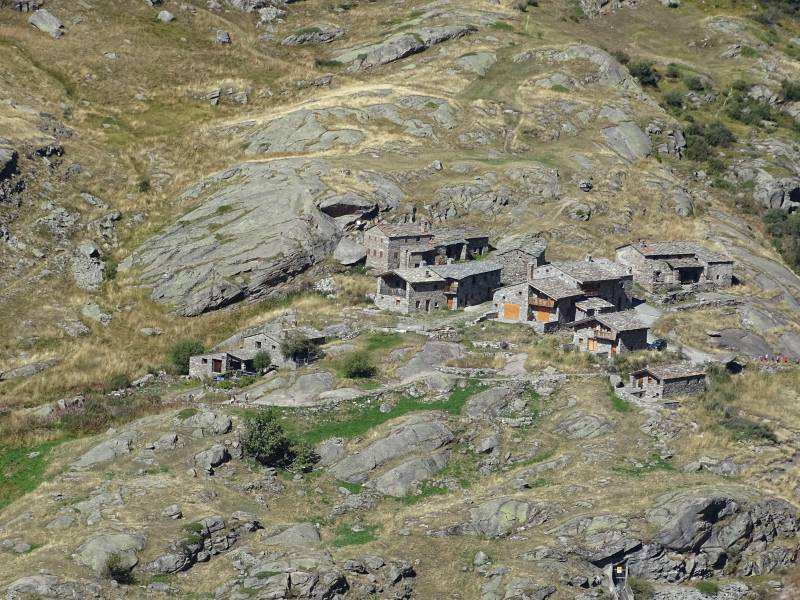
(451, 303)
(592, 344)
(543, 314)
(511, 312)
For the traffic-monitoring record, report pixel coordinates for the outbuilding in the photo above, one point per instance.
(668, 381)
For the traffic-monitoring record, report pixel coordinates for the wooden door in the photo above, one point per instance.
(592, 345)
(511, 312)
(451, 302)
(216, 365)
(613, 349)
(543, 314)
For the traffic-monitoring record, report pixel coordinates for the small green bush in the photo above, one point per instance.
(262, 360)
(359, 365)
(118, 381)
(717, 134)
(181, 352)
(707, 588)
(673, 72)
(641, 588)
(695, 83)
(791, 90)
(266, 441)
(644, 72)
(621, 56)
(298, 347)
(674, 98)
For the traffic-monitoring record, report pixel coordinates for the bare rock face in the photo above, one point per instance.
(319, 33)
(258, 226)
(47, 22)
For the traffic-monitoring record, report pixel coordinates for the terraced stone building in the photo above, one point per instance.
(681, 265)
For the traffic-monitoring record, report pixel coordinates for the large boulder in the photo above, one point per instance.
(318, 33)
(206, 423)
(421, 432)
(108, 450)
(99, 551)
(500, 516)
(399, 45)
(256, 226)
(580, 425)
(400, 480)
(298, 534)
(628, 141)
(213, 457)
(349, 252)
(47, 22)
(8, 163)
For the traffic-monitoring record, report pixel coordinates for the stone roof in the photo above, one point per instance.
(403, 230)
(626, 320)
(530, 244)
(555, 288)
(677, 248)
(671, 372)
(595, 269)
(418, 275)
(458, 234)
(684, 263)
(593, 303)
(465, 269)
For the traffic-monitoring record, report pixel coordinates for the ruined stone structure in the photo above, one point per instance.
(411, 245)
(431, 287)
(671, 266)
(594, 277)
(610, 334)
(220, 363)
(517, 254)
(667, 382)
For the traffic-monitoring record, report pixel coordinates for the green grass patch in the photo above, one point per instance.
(654, 463)
(187, 413)
(383, 341)
(345, 536)
(749, 52)
(20, 472)
(502, 26)
(618, 404)
(426, 490)
(560, 88)
(707, 588)
(266, 574)
(361, 419)
(353, 488)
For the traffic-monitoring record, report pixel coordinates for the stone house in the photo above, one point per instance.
(213, 364)
(517, 254)
(594, 277)
(671, 266)
(412, 245)
(431, 287)
(544, 303)
(667, 382)
(610, 334)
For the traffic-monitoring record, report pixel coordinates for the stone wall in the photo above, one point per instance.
(433, 292)
(515, 266)
(689, 386)
(200, 369)
(513, 294)
(477, 288)
(630, 341)
(720, 274)
(391, 302)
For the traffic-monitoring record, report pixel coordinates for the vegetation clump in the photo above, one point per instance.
(299, 348)
(262, 361)
(266, 441)
(359, 365)
(181, 352)
(719, 399)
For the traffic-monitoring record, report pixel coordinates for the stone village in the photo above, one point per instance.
(420, 270)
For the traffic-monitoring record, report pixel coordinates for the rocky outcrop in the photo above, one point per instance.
(418, 433)
(628, 141)
(257, 226)
(501, 516)
(205, 423)
(400, 480)
(349, 252)
(399, 45)
(87, 266)
(318, 33)
(116, 446)
(98, 552)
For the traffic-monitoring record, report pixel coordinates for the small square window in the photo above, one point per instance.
(205, 361)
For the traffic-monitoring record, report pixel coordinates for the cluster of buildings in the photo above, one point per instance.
(420, 271)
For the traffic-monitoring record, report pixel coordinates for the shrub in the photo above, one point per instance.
(674, 98)
(621, 56)
(262, 360)
(707, 588)
(118, 381)
(791, 90)
(359, 365)
(717, 134)
(180, 353)
(694, 83)
(644, 72)
(672, 71)
(265, 440)
(298, 347)
(641, 588)
(697, 148)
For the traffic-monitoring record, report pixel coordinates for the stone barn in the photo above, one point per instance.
(594, 277)
(610, 334)
(671, 266)
(213, 364)
(668, 382)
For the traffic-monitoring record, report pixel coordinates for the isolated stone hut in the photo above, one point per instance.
(682, 265)
(668, 382)
(432, 287)
(610, 334)
(219, 363)
(412, 245)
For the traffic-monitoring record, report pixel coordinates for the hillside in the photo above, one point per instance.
(175, 171)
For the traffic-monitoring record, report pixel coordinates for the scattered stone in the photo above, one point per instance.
(165, 16)
(45, 21)
(95, 313)
(318, 33)
(223, 37)
(96, 552)
(172, 512)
